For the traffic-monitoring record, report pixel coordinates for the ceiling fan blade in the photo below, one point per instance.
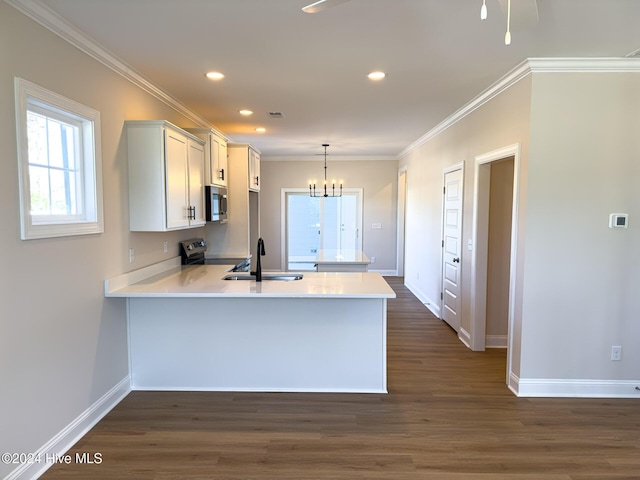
(524, 13)
(322, 5)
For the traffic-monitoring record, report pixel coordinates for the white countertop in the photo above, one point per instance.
(342, 256)
(206, 281)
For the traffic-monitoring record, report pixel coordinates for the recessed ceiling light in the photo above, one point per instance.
(261, 129)
(246, 113)
(377, 75)
(215, 75)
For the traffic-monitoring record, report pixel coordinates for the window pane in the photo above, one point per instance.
(59, 193)
(39, 187)
(74, 199)
(37, 138)
(57, 190)
(303, 224)
(70, 138)
(56, 154)
(331, 223)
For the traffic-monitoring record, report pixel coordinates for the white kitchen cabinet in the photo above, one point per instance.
(254, 169)
(215, 157)
(240, 234)
(166, 177)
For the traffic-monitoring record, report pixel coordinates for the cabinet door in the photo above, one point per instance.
(176, 179)
(218, 164)
(222, 163)
(254, 170)
(196, 184)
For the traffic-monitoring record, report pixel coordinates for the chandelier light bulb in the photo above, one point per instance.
(483, 10)
(507, 36)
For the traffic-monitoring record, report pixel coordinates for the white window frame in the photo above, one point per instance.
(30, 96)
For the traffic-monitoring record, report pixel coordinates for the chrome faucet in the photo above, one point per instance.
(260, 252)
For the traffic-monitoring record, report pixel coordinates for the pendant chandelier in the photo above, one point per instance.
(312, 183)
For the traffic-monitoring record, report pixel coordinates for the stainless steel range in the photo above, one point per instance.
(192, 251)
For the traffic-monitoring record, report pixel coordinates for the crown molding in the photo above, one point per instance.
(584, 65)
(330, 157)
(528, 66)
(53, 22)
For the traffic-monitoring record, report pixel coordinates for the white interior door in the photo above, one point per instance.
(451, 246)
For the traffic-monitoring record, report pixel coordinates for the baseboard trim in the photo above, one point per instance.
(554, 388)
(496, 341)
(427, 302)
(465, 337)
(68, 436)
(260, 390)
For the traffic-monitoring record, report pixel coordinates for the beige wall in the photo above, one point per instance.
(63, 345)
(581, 292)
(379, 181)
(499, 248)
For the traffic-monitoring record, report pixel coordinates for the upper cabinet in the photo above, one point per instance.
(246, 158)
(166, 177)
(254, 170)
(215, 160)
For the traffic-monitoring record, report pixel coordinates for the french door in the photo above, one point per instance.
(319, 223)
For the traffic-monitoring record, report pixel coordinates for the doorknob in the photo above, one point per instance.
(456, 260)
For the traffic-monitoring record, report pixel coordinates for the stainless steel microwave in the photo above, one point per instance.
(216, 204)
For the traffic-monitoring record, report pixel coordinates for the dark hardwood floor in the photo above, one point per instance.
(448, 416)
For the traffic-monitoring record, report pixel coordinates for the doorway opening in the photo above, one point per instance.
(319, 223)
(495, 241)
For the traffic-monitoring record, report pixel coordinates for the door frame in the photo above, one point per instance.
(450, 169)
(479, 254)
(283, 218)
(402, 210)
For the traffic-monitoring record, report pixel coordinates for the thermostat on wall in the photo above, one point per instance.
(618, 220)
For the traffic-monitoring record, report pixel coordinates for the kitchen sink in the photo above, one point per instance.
(287, 277)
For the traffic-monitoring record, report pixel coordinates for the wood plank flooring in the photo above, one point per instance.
(448, 416)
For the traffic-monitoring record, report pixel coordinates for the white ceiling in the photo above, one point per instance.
(438, 55)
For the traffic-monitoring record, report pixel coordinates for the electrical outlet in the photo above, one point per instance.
(166, 246)
(373, 259)
(616, 353)
(132, 255)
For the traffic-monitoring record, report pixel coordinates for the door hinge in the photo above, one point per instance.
(442, 243)
(441, 296)
(444, 190)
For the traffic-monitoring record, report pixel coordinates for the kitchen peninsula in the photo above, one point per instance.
(189, 329)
